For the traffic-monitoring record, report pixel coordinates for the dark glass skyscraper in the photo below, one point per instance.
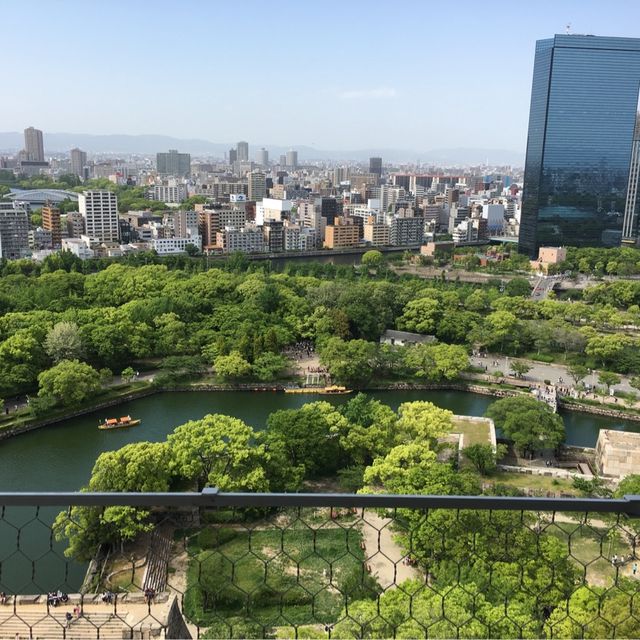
(584, 101)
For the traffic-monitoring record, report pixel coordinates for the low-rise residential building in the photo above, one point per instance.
(40, 239)
(376, 233)
(343, 233)
(248, 240)
(78, 247)
(166, 246)
(170, 193)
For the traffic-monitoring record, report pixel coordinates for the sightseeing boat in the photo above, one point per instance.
(118, 423)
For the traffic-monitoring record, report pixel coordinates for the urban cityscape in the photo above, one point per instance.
(335, 385)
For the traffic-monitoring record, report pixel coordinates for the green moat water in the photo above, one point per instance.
(60, 458)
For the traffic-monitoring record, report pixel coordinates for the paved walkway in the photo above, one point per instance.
(557, 374)
(383, 554)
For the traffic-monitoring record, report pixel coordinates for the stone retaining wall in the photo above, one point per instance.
(600, 411)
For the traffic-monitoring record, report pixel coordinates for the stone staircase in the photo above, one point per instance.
(157, 569)
(38, 626)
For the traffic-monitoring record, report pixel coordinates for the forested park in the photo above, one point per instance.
(71, 335)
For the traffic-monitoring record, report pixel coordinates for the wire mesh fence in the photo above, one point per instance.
(215, 565)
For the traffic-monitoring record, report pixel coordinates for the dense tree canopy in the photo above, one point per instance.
(530, 423)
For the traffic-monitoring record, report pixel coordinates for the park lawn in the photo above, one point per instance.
(474, 432)
(591, 549)
(275, 577)
(535, 482)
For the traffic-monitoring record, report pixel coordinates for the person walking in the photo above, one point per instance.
(634, 568)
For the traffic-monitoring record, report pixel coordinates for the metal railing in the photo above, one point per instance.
(218, 564)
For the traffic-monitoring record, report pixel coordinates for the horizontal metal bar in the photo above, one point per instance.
(214, 498)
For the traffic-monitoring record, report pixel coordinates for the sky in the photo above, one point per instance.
(345, 74)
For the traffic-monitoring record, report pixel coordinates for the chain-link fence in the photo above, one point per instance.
(218, 565)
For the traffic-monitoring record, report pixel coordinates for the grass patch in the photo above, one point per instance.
(534, 482)
(474, 432)
(282, 576)
(592, 549)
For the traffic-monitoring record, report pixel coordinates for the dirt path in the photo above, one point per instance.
(383, 554)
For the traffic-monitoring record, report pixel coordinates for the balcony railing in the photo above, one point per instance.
(214, 564)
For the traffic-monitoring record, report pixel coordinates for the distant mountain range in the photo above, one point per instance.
(147, 144)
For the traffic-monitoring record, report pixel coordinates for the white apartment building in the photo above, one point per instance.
(371, 209)
(169, 193)
(248, 240)
(166, 246)
(78, 247)
(298, 238)
(100, 212)
(272, 209)
(310, 215)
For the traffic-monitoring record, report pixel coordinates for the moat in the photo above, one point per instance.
(60, 457)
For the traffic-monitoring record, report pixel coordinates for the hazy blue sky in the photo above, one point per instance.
(331, 74)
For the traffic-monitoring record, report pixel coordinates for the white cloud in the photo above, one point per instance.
(368, 94)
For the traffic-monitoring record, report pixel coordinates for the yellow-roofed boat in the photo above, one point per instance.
(118, 423)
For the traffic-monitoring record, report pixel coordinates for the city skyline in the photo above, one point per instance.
(426, 91)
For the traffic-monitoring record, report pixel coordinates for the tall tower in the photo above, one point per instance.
(33, 144)
(263, 158)
(100, 212)
(243, 151)
(581, 138)
(257, 185)
(629, 224)
(375, 166)
(292, 159)
(78, 162)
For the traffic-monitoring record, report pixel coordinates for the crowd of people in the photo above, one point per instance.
(299, 350)
(54, 598)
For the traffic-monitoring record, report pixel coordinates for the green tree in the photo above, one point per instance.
(421, 315)
(349, 362)
(608, 378)
(70, 382)
(269, 366)
(607, 347)
(141, 466)
(520, 368)
(219, 451)
(370, 431)
(578, 372)
(231, 367)
(309, 436)
(437, 362)
(483, 457)
(531, 424)
(518, 287)
(64, 342)
(372, 259)
(128, 374)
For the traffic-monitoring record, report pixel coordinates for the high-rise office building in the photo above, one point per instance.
(78, 162)
(630, 220)
(233, 156)
(173, 163)
(292, 158)
(242, 151)
(100, 212)
(257, 182)
(584, 100)
(51, 223)
(375, 166)
(263, 158)
(34, 145)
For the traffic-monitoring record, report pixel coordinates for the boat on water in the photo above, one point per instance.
(118, 423)
(330, 390)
